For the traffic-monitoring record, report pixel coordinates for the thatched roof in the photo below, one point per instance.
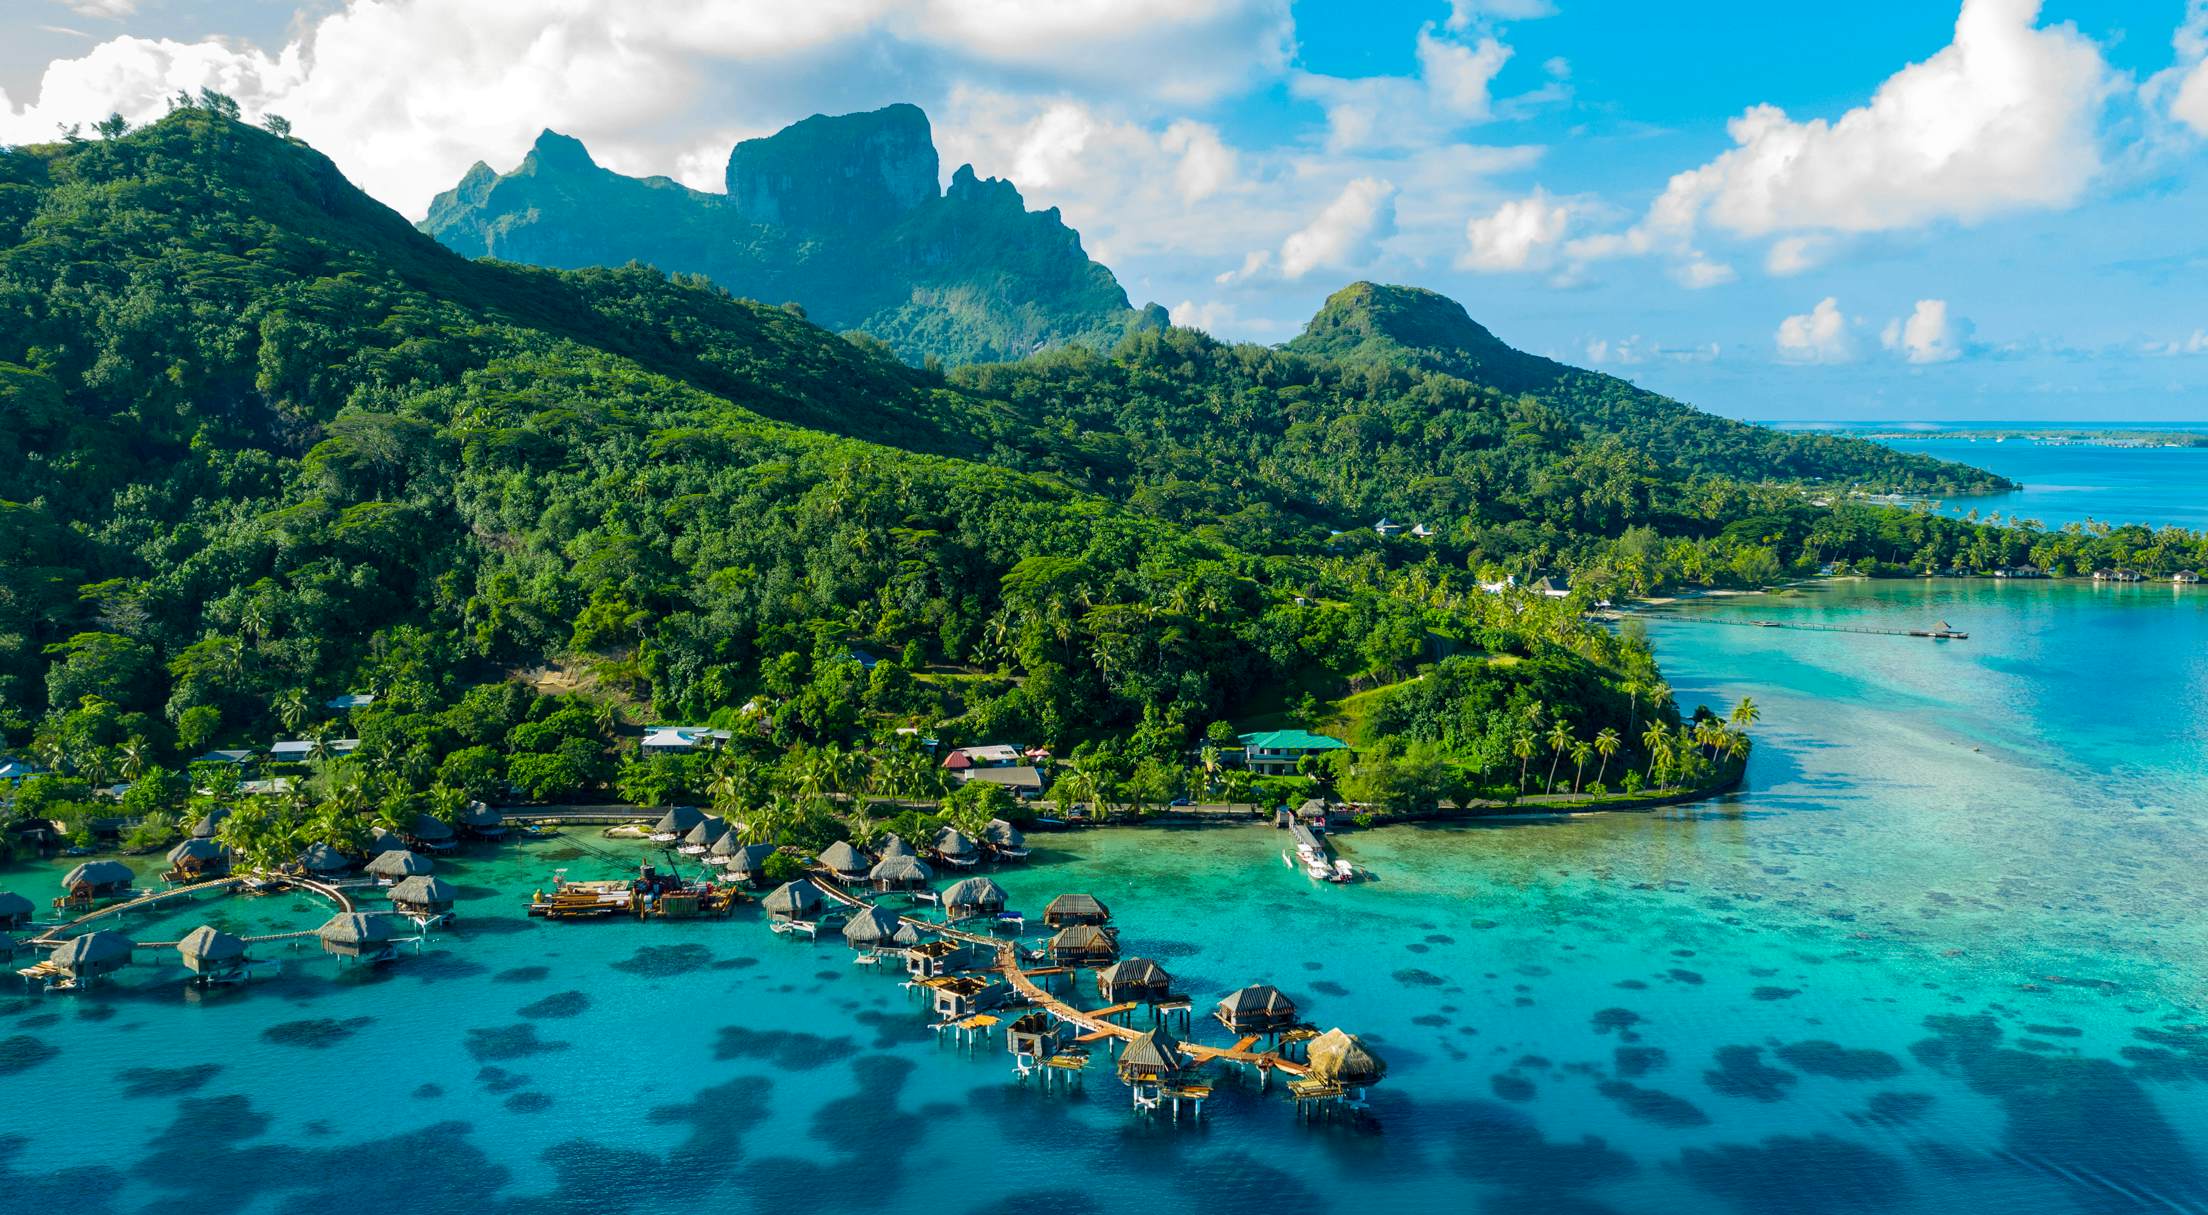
(99, 873)
(750, 858)
(894, 845)
(1076, 909)
(356, 929)
(1258, 1001)
(679, 820)
(424, 890)
(321, 858)
(841, 857)
(792, 898)
(429, 829)
(976, 892)
(707, 830)
(480, 815)
(906, 934)
(398, 864)
(1156, 1051)
(94, 951)
(727, 845)
(14, 905)
(212, 822)
(386, 841)
(206, 944)
(1141, 973)
(873, 926)
(1341, 1058)
(196, 849)
(1084, 940)
(1005, 835)
(952, 842)
(902, 870)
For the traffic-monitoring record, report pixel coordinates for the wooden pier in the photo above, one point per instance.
(1940, 632)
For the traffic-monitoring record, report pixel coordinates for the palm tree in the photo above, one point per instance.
(1745, 713)
(1560, 741)
(1522, 747)
(1656, 744)
(1606, 743)
(1580, 752)
(1658, 696)
(291, 708)
(134, 753)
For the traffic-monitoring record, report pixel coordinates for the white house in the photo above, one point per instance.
(677, 740)
(300, 750)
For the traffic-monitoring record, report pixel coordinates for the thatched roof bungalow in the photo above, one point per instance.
(900, 873)
(1005, 840)
(846, 862)
(195, 859)
(482, 821)
(1153, 1057)
(93, 954)
(98, 879)
(895, 845)
(356, 934)
(872, 928)
(1340, 1058)
(1083, 945)
(1259, 1008)
(955, 847)
(385, 840)
(428, 831)
(798, 900)
(392, 866)
(749, 862)
(210, 823)
(976, 896)
(322, 860)
(208, 951)
(1070, 909)
(704, 834)
(15, 910)
(424, 895)
(1137, 979)
(677, 823)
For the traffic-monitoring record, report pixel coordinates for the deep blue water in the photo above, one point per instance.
(1946, 950)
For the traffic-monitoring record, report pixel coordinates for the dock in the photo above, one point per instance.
(1940, 632)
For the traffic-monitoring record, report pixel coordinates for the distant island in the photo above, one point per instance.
(2052, 436)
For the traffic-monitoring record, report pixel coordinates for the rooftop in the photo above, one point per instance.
(1291, 740)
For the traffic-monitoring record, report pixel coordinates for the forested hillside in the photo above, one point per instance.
(843, 215)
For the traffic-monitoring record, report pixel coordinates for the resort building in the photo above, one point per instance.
(95, 880)
(976, 896)
(1345, 1062)
(429, 832)
(1259, 1008)
(359, 937)
(1069, 909)
(701, 838)
(350, 701)
(424, 897)
(15, 910)
(1024, 780)
(483, 822)
(1005, 840)
(846, 862)
(197, 860)
(83, 959)
(872, 928)
(1276, 752)
(396, 866)
(321, 860)
(1082, 945)
(900, 872)
(747, 863)
(798, 900)
(677, 823)
(233, 758)
(955, 847)
(12, 769)
(681, 740)
(1135, 980)
(2185, 577)
(995, 755)
(1554, 586)
(212, 955)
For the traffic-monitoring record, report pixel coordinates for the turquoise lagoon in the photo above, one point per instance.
(1947, 947)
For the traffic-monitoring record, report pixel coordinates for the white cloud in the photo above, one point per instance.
(1219, 317)
(112, 10)
(405, 94)
(1522, 234)
(1207, 165)
(2190, 105)
(1820, 335)
(1346, 234)
(1929, 334)
(1454, 88)
(1794, 254)
(2195, 344)
(1464, 14)
(1459, 77)
(1699, 272)
(1627, 352)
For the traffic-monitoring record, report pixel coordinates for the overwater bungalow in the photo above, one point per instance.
(210, 823)
(1005, 841)
(747, 863)
(872, 928)
(846, 862)
(359, 936)
(197, 860)
(429, 833)
(907, 936)
(1139, 980)
(321, 860)
(960, 996)
(214, 956)
(975, 896)
(83, 959)
(386, 840)
(798, 900)
(701, 838)
(95, 880)
(895, 845)
(900, 873)
(15, 910)
(955, 847)
(1259, 1008)
(1031, 1037)
(1082, 945)
(424, 897)
(1070, 909)
(389, 867)
(677, 823)
(483, 822)
(1342, 1060)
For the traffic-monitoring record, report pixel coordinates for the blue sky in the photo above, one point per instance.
(1923, 209)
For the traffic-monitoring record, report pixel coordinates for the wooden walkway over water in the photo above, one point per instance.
(57, 934)
(1095, 1024)
(1942, 632)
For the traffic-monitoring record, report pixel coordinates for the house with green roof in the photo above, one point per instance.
(1275, 752)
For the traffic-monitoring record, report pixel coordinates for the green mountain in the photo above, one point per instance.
(1410, 327)
(841, 215)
